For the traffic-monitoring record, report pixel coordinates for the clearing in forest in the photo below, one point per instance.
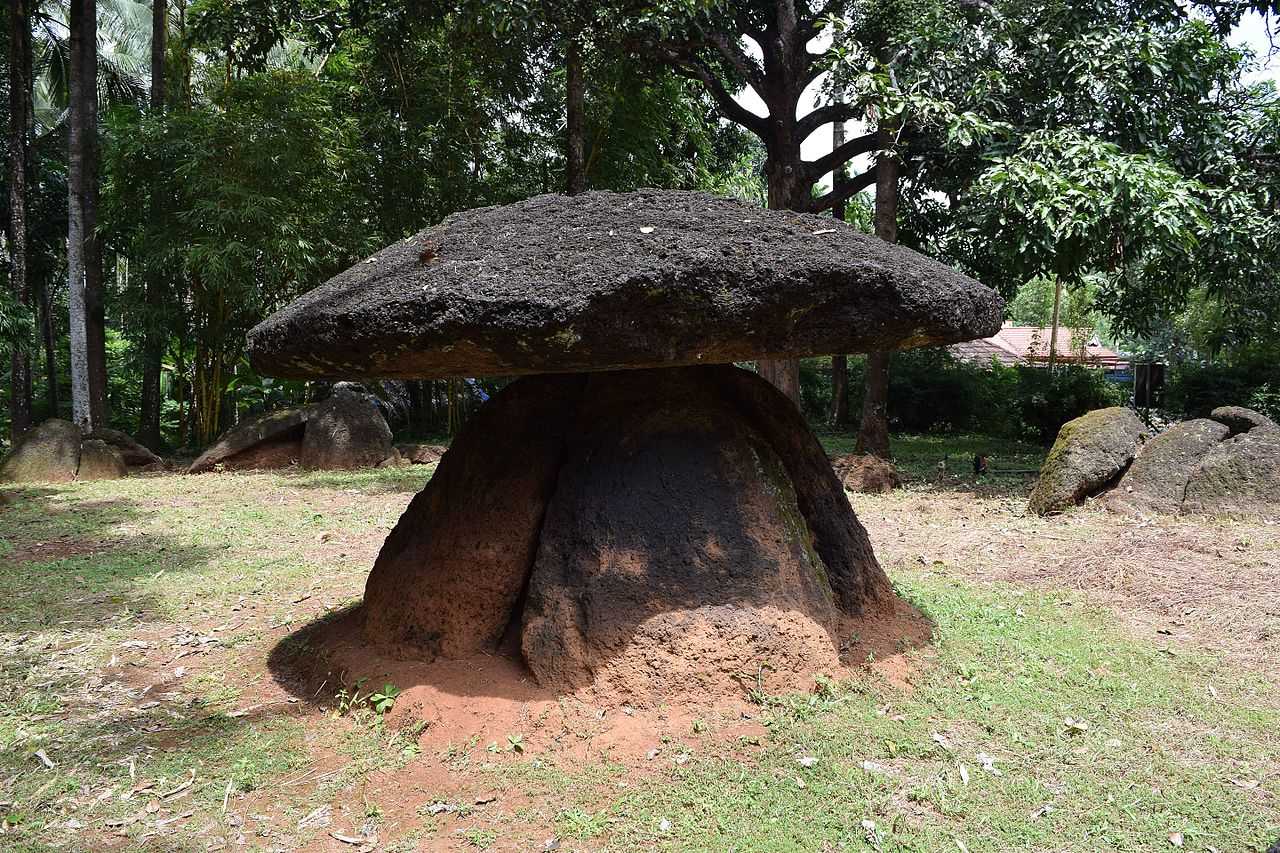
(1089, 682)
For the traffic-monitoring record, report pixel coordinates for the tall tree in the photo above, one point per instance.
(154, 336)
(575, 117)
(838, 416)
(19, 158)
(84, 252)
(709, 46)
(873, 433)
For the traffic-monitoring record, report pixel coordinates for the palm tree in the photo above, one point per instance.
(73, 77)
(84, 253)
(19, 156)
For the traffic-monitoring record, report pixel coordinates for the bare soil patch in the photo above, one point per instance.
(1210, 582)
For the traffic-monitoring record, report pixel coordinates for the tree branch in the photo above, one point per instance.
(847, 151)
(806, 126)
(734, 54)
(686, 63)
(844, 191)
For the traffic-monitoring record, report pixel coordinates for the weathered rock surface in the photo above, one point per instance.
(1240, 419)
(606, 280)
(448, 577)
(865, 473)
(421, 454)
(643, 532)
(674, 553)
(346, 431)
(48, 453)
(100, 461)
(1090, 454)
(1241, 476)
(262, 442)
(1157, 480)
(134, 454)
(839, 538)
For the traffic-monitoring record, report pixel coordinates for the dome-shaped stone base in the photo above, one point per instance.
(648, 532)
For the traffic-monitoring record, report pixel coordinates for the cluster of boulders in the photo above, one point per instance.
(345, 431)
(57, 451)
(1226, 464)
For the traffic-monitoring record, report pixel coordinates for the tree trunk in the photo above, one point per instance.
(1053, 331)
(787, 191)
(159, 39)
(84, 259)
(19, 109)
(50, 350)
(873, 435)
(575, 124)
(839, 414)
(153, 336)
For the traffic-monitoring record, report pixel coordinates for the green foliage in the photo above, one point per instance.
(931, 392)
(1078, 204)
(244, 206)
(382, 701)
(1266, 399)
(1194, 389)
(17, 322)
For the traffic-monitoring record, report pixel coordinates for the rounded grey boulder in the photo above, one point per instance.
(1239, 477)
(346, 431)
(1090, 454)
(1239, 419)
(600, 281)
(1157, 480)
(100, 461)
(48, 453)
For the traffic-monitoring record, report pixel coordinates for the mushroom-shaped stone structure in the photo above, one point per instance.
(638, 514)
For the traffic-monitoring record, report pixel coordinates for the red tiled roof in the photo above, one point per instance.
(1030, 344)
(982, 351)
(1033, 343)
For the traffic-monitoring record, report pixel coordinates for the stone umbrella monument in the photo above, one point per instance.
(635, 512)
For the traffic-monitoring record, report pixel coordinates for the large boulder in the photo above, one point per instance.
(48, 453)
(100, 461)
(1157, 480)
(1090, 454)
(645, 532)
(1239, 477)
(272, 440)
(448, 578)
(866, 473)
(131, 452)
(1239, 419)
(346, 431)
(674, 554)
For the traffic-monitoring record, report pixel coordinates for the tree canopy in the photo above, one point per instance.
(1117, 146)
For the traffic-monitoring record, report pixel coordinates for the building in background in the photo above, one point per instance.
(1030, 345)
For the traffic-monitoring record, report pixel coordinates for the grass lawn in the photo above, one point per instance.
(1093, 683)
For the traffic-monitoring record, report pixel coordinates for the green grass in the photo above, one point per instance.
(1171, 742)
(1157, 756)
(917, 456)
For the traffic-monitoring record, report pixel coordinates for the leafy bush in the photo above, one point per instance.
(1266, 399)
(931, 392)
(1193, 390)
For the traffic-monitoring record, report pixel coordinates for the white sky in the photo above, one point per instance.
(1251, 33)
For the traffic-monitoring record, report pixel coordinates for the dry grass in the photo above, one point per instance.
(1211, 582)
(139, 617)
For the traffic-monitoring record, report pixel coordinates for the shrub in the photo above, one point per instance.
(929, 391)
